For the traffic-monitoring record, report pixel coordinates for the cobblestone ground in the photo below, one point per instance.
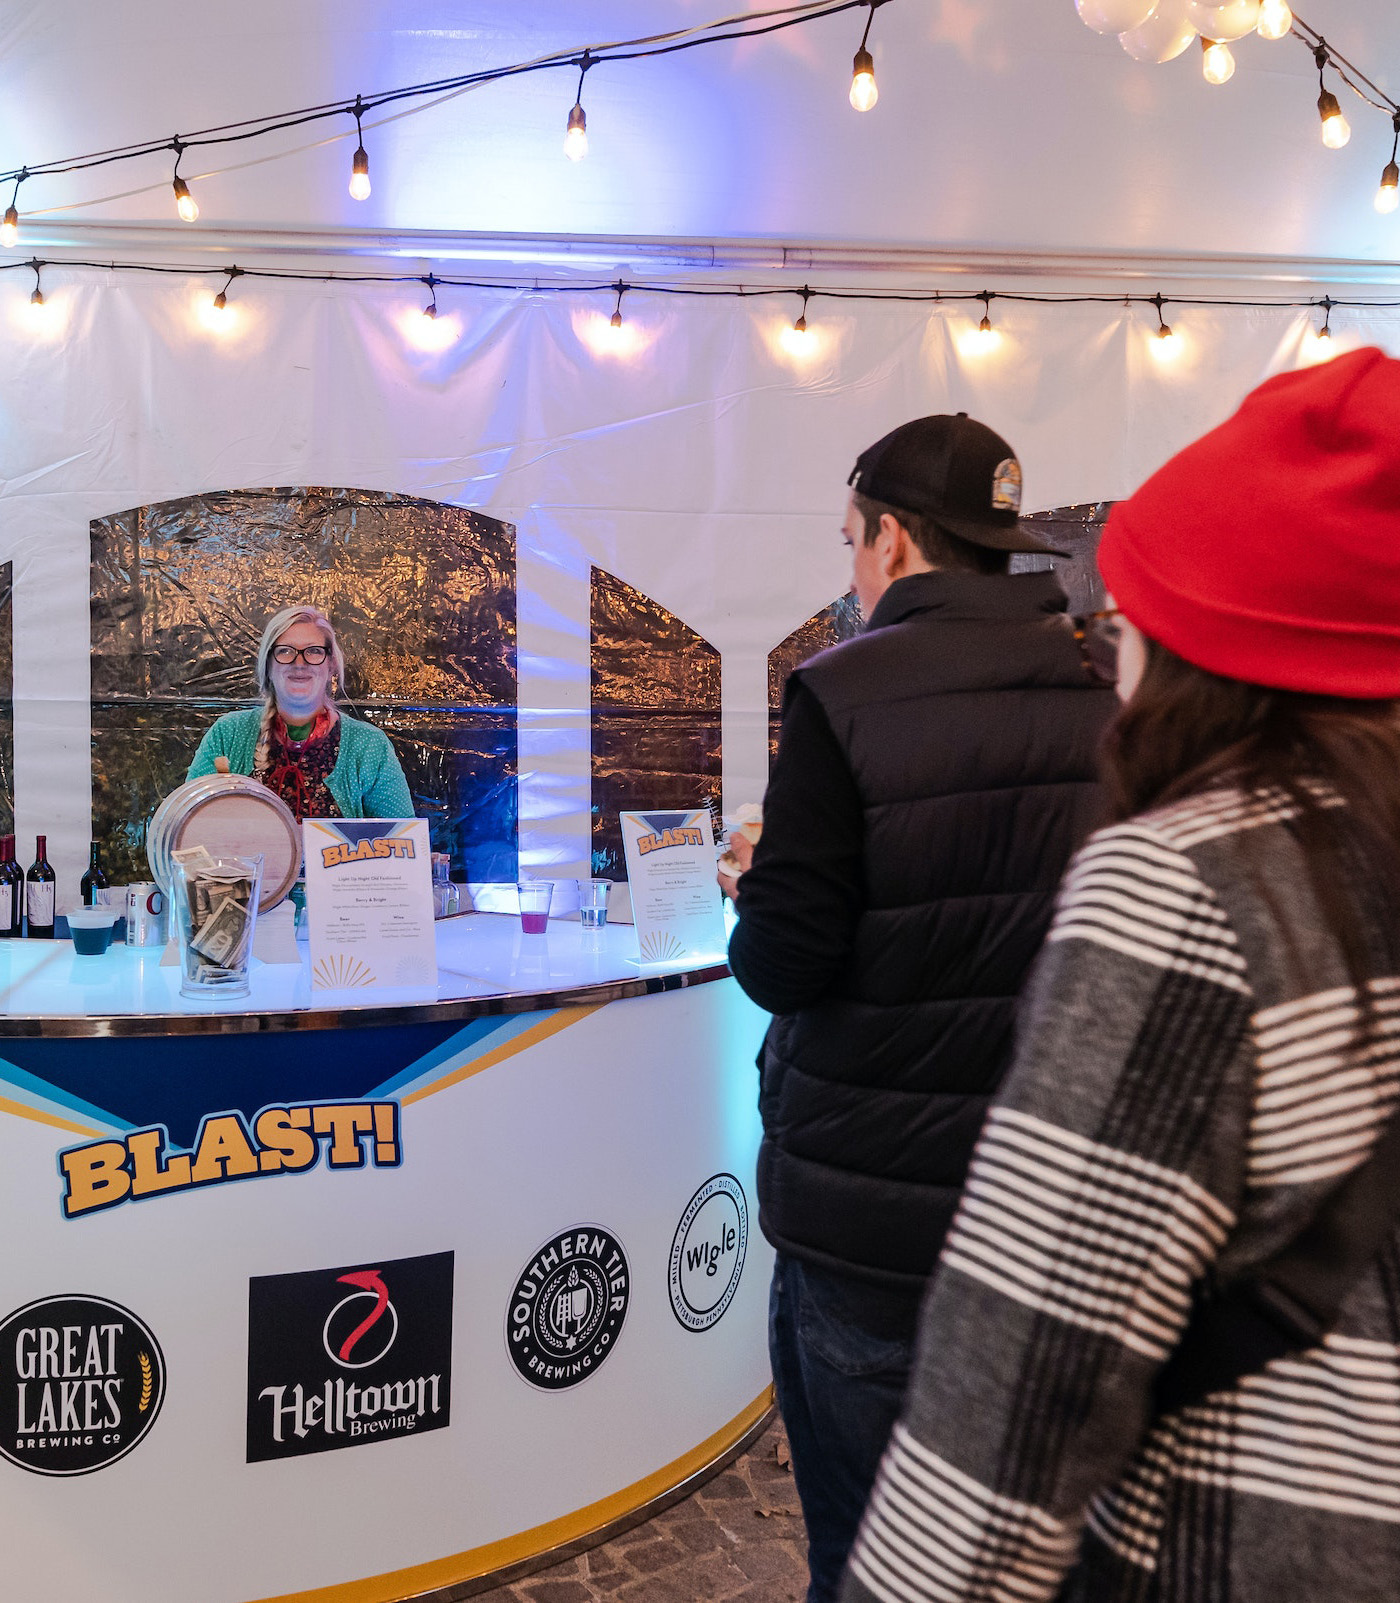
(738, 1539)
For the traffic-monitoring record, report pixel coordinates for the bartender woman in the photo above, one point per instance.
(298, 743)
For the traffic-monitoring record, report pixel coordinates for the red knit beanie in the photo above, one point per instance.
(1269, 550)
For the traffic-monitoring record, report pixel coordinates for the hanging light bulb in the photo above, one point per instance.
(1275, 20)
(220, 306)
(615, 321)
(799, 339)
(185, 202)
(359, 166)
(1388, 195)
(1217, 61)
(576, 138)
(1325, 332)
(1336, 130)
(1165, 343)
(576, 135)
(864, 90)
(36, 300)
(9, 228)
(430, 310)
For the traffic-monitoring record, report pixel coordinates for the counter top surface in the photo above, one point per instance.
(485, 965)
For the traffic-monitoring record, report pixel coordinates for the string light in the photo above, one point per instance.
(9, 228)
(615, 321)
(1275, 20)
(359, 166)
(185, 202)
(1325, 332)
(1164, 332)
(799, 339)
(1336, 130)
(1217, 61)
(221, 299)
(37, 298)
(576, 135)
(1388, 195)
(864, 90)
(431, 309)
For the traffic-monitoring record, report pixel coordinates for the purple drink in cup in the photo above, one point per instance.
(535, 896)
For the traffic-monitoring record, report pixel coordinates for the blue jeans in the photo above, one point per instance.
(841, 1354)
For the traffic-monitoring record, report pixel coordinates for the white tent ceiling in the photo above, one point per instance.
(1003, 126)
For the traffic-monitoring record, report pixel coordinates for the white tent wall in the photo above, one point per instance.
(696, 459)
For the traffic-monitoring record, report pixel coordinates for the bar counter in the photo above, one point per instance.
(353, 1299)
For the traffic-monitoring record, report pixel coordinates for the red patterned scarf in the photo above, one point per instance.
(298, 769)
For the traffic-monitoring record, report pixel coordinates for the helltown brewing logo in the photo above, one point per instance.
(567, 1308)
(340, 1357)
(81, 1382)
(707, 1252)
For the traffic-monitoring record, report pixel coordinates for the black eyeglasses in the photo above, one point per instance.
(312, 656)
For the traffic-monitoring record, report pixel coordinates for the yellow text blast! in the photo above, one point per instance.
(101, 1174)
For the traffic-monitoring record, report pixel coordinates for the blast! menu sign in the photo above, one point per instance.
(369, 903)
(675, 899)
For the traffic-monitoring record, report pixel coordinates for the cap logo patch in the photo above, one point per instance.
(1006, 486)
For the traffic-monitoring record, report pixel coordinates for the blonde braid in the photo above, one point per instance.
(260, 753)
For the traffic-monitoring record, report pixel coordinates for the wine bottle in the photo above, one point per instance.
(39, 893)
(94, 884)
(11, 890)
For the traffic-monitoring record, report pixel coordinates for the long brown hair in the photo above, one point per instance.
(1187, 731)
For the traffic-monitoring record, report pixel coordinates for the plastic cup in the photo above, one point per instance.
(535, 896)
(593, 902)
(216, 940)
(91, 929)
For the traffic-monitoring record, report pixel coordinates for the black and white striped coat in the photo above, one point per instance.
(1181, 1101)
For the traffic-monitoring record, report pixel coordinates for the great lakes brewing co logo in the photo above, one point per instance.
(707, 1252)
(81, 1382)
(340, 1357)
(567, 1308)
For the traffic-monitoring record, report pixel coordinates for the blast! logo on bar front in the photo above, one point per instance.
(341, 1357)
(81, 1382)
(567, 1308)
(278, 1140)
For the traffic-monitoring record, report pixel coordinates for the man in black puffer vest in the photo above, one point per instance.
(933, 777)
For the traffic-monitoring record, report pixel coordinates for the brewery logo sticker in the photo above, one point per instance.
(341, 1357)
(707, 1253)
(567, 1308)
(81, 1382)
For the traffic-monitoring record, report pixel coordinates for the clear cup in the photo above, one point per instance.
(535, 896)
(90, 929)
(593, 902)
(214, 902)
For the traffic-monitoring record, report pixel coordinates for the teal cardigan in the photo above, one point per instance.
(366, 781)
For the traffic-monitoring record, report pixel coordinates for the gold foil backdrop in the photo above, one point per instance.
(422, 596)
(656, 714)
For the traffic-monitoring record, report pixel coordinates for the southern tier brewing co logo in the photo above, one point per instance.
(81, 1382)
(567, 1308)
(340, 1357)
(707, 1252)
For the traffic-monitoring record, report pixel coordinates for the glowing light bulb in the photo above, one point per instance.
(1275, 20)
(221, 302)
(1217, 61)
(1388, 195)
(864, 90)
(430, 311)
(1336, 130)
(359, 175)
(37, 298)
(9, 229)
(615, 321)
(576, 138)
(185, 202)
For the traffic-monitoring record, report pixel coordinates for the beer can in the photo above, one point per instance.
(145, 914)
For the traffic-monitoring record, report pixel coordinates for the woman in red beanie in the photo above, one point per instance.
(1161, 1358)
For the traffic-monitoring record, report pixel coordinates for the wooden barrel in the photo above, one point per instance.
(228, 814)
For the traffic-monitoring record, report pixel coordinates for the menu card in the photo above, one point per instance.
(676, 902)
(369, 903)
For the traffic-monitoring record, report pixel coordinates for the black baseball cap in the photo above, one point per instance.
(956, 472)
